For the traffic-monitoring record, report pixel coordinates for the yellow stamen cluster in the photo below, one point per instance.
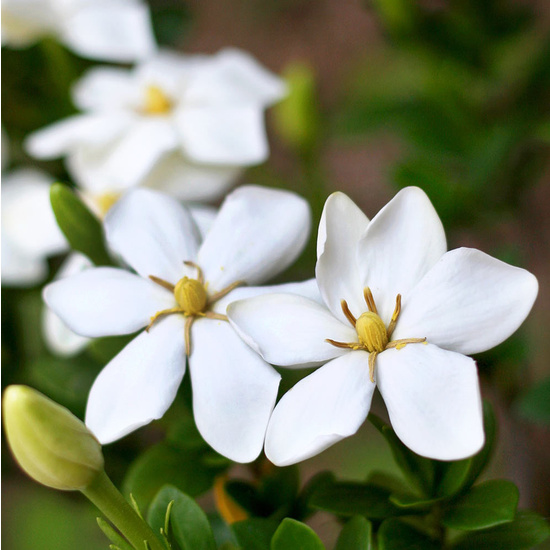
(192, 299)
(106, 201)
(372, 333)
(156, 101)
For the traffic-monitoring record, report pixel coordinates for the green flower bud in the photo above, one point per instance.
(50, 444)
(297, 116)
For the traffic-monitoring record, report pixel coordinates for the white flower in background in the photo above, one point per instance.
(110, 30)
(400, 310)
(29, 231)
(184, 124)
(59, 338)
(180, 293)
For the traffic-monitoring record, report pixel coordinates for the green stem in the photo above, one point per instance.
(108, 499)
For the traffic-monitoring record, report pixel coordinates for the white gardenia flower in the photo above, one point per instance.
(110, 30)
(180, 293)
(184, 124)
(29, 231)
(401, 313)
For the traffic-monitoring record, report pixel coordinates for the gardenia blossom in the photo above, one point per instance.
(183, 124)
(29, 231)
(110, 30)
(179, 294)
(399, 313)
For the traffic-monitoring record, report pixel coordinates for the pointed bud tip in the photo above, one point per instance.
(50, 444)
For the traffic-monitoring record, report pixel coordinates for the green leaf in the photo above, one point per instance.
(114, 536)
(412, 502)
(81, 228)
(491, 503)
(535, 404)
(395, 534)
(418, 470)
(188, 523)
(349, 499)
(278, 489)
(164, 463)
(296, 535)
(355, 535)
(302, 507)
(452, 476)
(245, 495)
(526, 531)
(254, 533)
(481, 459)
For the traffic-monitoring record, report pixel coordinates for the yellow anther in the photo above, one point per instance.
(190, 295)
(372, 332)
(156, 101)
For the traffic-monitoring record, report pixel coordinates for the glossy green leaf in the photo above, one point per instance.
(81, 228)
(485, 505)
(418, 470)
(526, 531)
(254, 533)
(395, 534)
(535, 404)
(355, 535)
(278, 488)
(452, 476)
(412, 502)
(246, 496)
(350, 499)
(188, 524)
(166, 464)
(296, 535)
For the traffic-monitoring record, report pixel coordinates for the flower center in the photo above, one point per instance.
(193, 301)
(156, 101)
(106, 201)
(372, 333)
(191, 296)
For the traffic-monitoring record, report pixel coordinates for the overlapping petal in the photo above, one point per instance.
(433, 399)
(106, 301)
(234, 390)
(153, 234)
(118, 31)
(468, 302)
(257, 234)
(140, 383)
(402, 243)
(320, 410)
(208, 134)
(289, 330)
(342, 226)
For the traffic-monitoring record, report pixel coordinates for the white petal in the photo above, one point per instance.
(112, 31)
(342, 226)
(153, 233)
(289, 330)
(233, 77)
(469, 302)
(204, 217)
(135, 154)
(104, 88)
(67, 135)
(208, 134)
(257, 234)
(105, 301)
(18, 270)
(433, 399)
(59, 338)
(402, 243)
(183, 179)
(234, 390)
(140, 383)
(307, 289)
(28, 221)
(320, 410)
